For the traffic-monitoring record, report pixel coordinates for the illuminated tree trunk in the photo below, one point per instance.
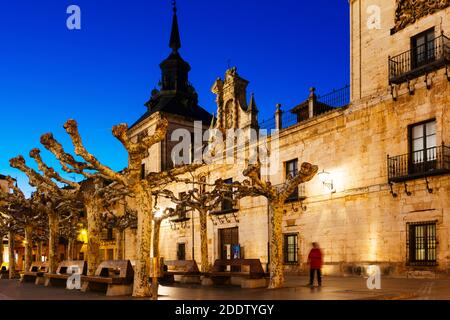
(12, 260)
(28, 247)
(276, 246)
(39, 251)
(204, 239)
(53, 223)
(119, 243)
(94, 232)
(144, 238)
(156, 233)
(70, 249)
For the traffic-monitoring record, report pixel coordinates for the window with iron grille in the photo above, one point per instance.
(182, 209)
(422, 243)
(227, 204)
(423, 48)
(423, 142)
(291, 170)
(107, 234)
(290, 248)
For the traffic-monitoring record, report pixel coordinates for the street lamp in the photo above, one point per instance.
(158, 213)
(327, 180)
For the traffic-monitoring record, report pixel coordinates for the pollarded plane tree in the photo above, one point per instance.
(202, 197)
(93, 193)
(255, 186)
(23, 216)
(55, 200)
(129, 178)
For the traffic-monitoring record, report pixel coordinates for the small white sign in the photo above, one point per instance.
(374, 280)
(73, 22)
(74, 281)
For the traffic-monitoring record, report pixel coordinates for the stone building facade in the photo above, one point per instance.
(383, 196)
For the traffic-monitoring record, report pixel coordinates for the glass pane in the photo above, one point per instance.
(417, 145)
(417, 132)
(431, 141)
(431, 128)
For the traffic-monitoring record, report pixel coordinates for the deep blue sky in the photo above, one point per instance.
(102, 74)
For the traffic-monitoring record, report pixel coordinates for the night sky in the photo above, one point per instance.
(102, 74)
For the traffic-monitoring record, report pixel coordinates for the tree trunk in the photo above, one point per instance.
(70, 249)
(144, 228)
(39, 252)
(204, 239)
(28, 247)
(156, 232)
(94, 232)
(119, 243)
(276, 246)
(53, 222)
(12, 260)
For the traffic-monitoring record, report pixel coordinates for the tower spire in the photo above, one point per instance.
(175, 42)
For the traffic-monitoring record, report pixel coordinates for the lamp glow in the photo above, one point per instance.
(327, 181)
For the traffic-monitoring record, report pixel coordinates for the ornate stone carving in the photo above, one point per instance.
(409, 11)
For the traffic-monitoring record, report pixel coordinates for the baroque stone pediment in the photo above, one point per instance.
(409, 11)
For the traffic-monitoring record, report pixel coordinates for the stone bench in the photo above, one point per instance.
(186, 270)
(253, 278)
(36, 273)
(115, 277)
(64, 271)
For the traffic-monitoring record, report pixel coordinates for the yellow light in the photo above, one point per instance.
(83, 236)
(159, 213)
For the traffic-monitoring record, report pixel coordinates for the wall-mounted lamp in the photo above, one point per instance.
(327, 181)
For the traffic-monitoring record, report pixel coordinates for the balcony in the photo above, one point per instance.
(420, 60)
(424, 163)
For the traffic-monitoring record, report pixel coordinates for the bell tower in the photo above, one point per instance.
(233, 111)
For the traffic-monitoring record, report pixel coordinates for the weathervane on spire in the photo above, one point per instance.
(175, 42)
(174, 5)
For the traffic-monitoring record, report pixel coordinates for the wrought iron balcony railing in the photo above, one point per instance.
(419, 60)
(428, 162)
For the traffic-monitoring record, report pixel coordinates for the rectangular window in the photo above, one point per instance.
(290, 248)
(422, 243)
(182, 209)
(143, 173)
(292, 170)
(423, 146)
(110, 254)
(423, 48)
(227, 204)
(181, 252)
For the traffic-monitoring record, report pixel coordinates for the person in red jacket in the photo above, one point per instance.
(315, 261)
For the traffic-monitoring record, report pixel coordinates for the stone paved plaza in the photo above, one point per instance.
(334, 288)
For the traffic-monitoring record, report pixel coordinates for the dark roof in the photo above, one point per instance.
(176, 95)
(176, 104)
